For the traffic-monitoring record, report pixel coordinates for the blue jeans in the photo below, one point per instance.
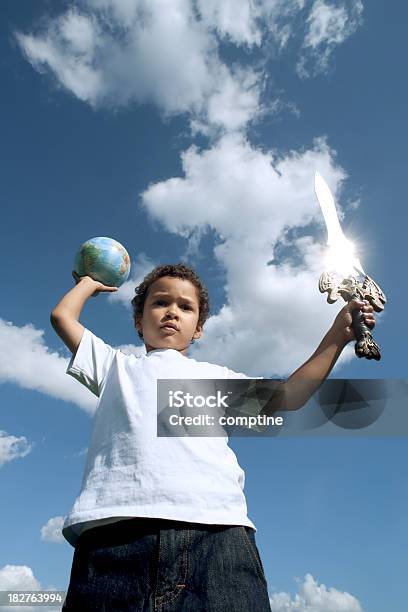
(157, 565)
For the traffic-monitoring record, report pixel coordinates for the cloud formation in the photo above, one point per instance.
(258, 205)
(27, 361)
(110, 53)
(328, 26)
(18, 577)
(21, 578)
(260, 208)
(52, 530)
(115, 52)
(13, 447)
(314, 597)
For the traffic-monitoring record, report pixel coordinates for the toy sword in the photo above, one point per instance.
(344, 276)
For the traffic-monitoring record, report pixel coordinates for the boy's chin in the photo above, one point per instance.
(165, 343)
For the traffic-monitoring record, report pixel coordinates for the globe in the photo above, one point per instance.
(103, 259)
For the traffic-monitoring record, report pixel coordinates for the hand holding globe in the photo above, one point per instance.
(98, 287)
(104, 262)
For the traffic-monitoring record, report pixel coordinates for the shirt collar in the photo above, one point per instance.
(169, 351)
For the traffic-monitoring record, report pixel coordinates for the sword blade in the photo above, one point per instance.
(324, 195)
(335, 237)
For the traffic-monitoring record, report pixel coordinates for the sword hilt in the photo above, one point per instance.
(365, 345)
(350, 289)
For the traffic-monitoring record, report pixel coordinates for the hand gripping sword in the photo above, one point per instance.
(344, 276)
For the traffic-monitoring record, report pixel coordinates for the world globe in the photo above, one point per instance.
(103, 259)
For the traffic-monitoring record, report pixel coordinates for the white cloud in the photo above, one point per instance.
(314, 597)
(18, 577)
(281, 20)
(235, 20)
(251, 23)
(253, 201)
(13, 447)
(111, 53)
(121, 12)
(52, 531)
(21, 578)
(28, 362)
(115, 52)
(235, 100)
(79, 33)
(328, 26)
(68, 50)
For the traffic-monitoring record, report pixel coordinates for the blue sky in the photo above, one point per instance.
(194, 134)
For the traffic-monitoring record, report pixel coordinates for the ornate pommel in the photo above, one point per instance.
(350, 289)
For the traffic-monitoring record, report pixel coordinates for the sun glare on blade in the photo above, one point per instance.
(341, 258)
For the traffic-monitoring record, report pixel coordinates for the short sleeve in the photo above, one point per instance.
(92, 361)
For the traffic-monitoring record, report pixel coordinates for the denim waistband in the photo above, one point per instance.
(120, 531)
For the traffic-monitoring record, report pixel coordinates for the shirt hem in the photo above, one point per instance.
(193, 517)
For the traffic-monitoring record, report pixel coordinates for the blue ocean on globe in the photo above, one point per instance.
(104, 260)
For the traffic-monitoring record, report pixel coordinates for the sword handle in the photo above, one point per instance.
(365, 345)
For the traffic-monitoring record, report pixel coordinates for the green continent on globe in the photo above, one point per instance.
(104, 260)
(90, 254)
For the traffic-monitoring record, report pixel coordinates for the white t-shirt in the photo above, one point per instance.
(129, 471)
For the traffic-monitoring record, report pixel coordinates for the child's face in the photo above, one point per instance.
(173, 301)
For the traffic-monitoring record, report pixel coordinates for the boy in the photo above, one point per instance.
(161, 523)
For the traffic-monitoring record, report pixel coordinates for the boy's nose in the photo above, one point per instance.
(172, 312)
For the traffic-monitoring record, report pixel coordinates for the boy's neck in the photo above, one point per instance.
(149, 348)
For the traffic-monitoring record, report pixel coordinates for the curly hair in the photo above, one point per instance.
(176, 271)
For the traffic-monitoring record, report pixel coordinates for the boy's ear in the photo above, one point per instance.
(198, 332)
(138, 325)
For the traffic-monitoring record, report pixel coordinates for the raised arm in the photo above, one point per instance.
(304, 382)
(65, 316)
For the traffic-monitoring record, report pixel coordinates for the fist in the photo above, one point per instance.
(343, 322)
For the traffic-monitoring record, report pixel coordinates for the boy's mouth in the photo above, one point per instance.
(169, 327)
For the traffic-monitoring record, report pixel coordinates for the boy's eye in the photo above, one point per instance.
(164, 303)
